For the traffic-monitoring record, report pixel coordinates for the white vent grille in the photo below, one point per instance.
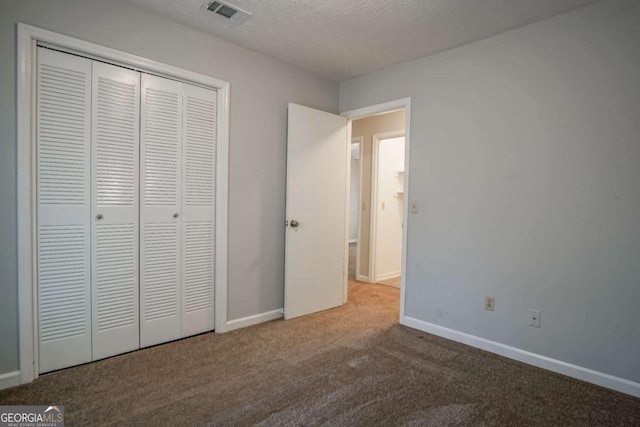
(161, 147)
(161, 273)
(200, 151)
(116, 143)
(116, 276)
(198, 266)
(232, 13)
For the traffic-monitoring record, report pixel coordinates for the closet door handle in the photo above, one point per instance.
(99, 216)
(176, 215)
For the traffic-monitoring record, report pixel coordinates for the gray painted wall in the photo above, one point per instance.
(525, 158)
(260, 90)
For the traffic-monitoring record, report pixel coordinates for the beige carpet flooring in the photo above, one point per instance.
(353, 365)
(352, 260)
(395, 282)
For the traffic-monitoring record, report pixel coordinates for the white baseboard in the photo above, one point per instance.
(361, 278)
(599, 378)
(9, 379)
(386, 276)
(254, 320)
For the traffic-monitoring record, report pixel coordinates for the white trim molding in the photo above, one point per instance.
(347, 215)
(387, 107)
(554, 365)
(388, 276)
(360, 141)
(28, 39)
(10, 379)
(243, 322)
(382, 108)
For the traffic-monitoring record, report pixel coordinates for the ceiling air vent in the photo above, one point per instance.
(229, 12)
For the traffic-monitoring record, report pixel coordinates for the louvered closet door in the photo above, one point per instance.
(160, 210)
(198, 209)
(115, 152)
(63, 209)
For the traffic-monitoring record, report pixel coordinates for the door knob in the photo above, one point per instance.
(294, 223)
(175, 215)
(99, 216)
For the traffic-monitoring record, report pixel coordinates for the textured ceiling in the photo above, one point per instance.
(339, 39)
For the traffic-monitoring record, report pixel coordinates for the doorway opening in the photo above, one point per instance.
(319, 160)
(376, 198)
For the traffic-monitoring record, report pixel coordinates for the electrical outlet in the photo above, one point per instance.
(534, 318)
(489, 303)
(413, 207)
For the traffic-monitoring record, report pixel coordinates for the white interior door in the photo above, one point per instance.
(64, 208)
(160, 200)
(389, 205)
(316, 238)
(115, 151)
(198, 208)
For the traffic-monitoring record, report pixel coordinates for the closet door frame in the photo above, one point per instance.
(28, 38)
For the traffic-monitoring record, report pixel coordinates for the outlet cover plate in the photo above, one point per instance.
(534, 318)
(489, 302)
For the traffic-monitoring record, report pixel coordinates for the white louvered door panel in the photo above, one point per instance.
(160, 219)
(115, 210)
(198, 209)
(63, 209)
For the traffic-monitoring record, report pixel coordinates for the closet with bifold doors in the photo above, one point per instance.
(125, 222)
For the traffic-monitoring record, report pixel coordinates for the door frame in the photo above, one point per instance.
(28, 38)
(373, 223)
(373, 110)
(357, 140)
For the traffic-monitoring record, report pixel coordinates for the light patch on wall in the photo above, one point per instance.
(355, 151)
